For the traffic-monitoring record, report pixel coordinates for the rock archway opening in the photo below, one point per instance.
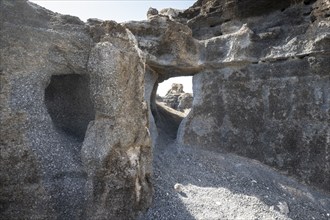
(173, 102)
(69, 105)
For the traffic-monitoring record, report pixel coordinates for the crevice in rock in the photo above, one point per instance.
(167, 121)
(309, 2)
(307, 13)
(68, 102)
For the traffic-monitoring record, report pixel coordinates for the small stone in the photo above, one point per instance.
(178, 187)
(284, 208)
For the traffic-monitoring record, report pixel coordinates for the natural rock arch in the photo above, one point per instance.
(261, 82)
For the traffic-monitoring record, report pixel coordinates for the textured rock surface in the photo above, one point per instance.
(70, 147)
(265, 91)
(261, 79)
(74, 114)
(206, 16)
(169, 46)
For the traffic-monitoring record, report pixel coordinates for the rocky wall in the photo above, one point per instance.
(278, 117)
(264, 92)
(74, 137)
(261, 78)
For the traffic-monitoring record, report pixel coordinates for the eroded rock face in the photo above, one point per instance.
(70, 147)
(264, 92)
(261, 79)
(169, 46)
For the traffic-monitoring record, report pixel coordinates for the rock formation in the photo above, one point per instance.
(264, 91)
(152, 12)
(74, 115)
(261, 79)
(71, 148)
(177, 99)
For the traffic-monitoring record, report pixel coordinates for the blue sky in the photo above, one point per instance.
(119, 11)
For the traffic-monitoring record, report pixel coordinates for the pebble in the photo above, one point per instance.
(178, 187)
(284, 208)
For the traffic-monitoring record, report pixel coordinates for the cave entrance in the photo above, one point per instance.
(69, 105)
(173, 102)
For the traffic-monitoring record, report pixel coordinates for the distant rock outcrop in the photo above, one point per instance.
(152, 12)
(177, 99)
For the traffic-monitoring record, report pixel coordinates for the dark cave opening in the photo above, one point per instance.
(69, 105)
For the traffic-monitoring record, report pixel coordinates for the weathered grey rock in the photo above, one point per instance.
(185, 101)
(71, 148)
(262, 85)
(74, 115)
(177, 99)
(206, 17)
(171, 99)
(176, 89)
(254, 61)
(264, 92)
(169, 46)
(171, 13)
(151, 12)
(150, 95)
(116, 152)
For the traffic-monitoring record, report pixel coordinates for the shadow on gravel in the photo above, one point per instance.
(224, 186)
(235, 178)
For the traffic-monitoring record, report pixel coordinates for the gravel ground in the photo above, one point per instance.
(197, 184)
